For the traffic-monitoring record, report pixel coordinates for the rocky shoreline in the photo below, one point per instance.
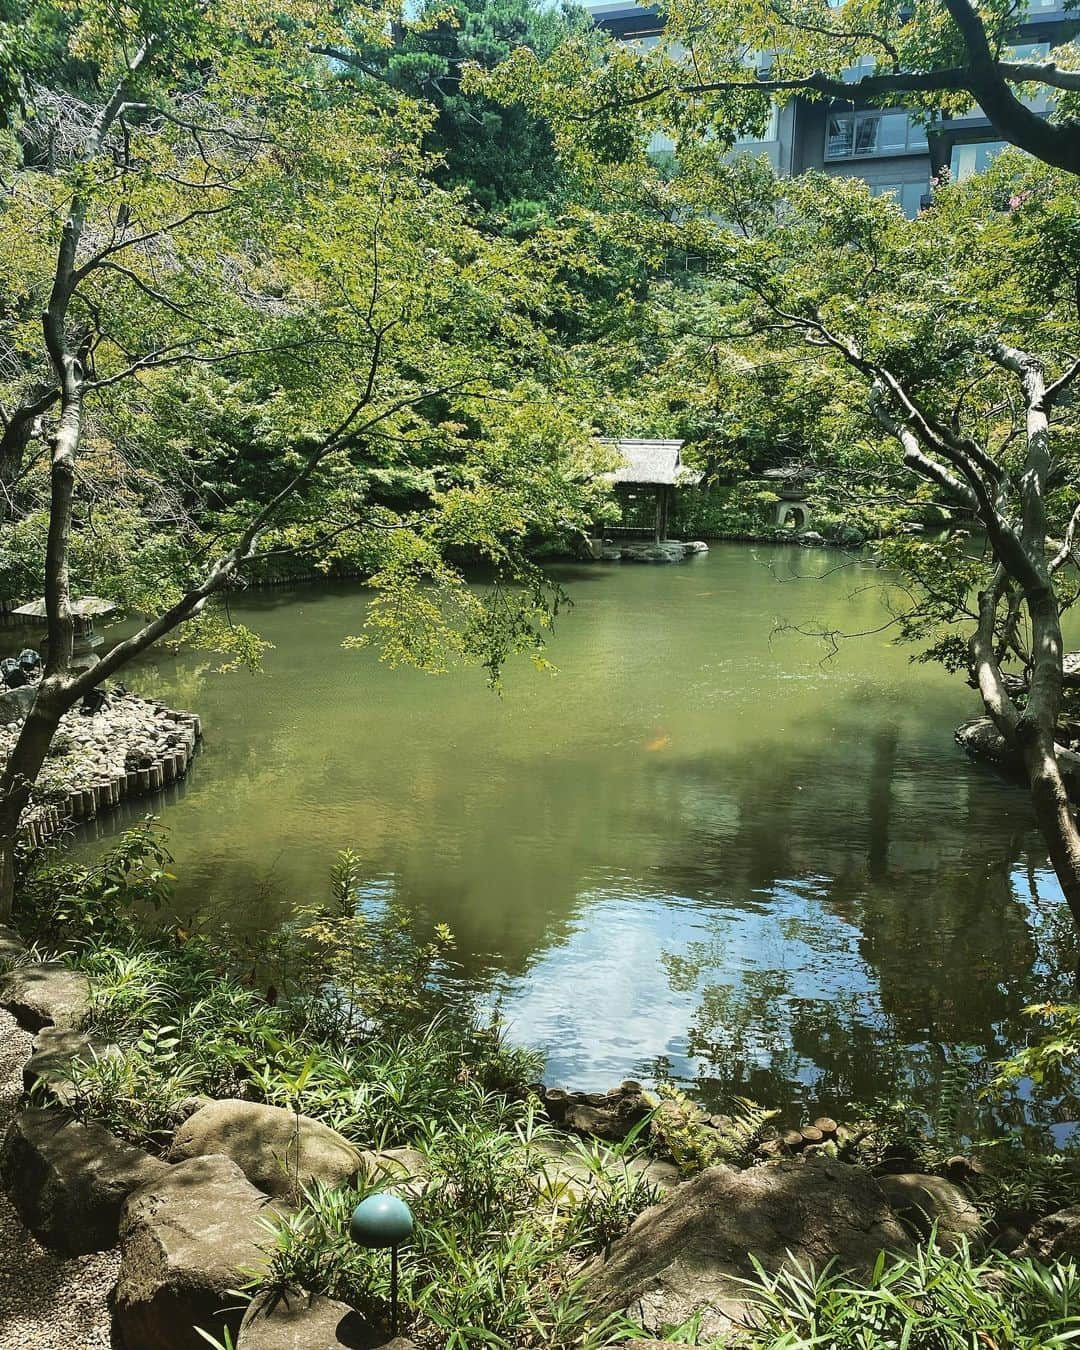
(121, 746)
(185, 1226)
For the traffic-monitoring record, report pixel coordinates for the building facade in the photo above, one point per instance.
(890, 149)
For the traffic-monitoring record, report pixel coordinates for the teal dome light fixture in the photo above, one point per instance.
(383, 1220)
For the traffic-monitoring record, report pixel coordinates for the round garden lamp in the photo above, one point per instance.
(383, 1221)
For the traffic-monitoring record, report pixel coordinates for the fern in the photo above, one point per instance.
(954, 1095)
(695, 1145)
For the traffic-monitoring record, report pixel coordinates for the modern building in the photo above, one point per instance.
(890, 149)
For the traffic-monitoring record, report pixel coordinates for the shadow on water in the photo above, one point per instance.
(697, 845)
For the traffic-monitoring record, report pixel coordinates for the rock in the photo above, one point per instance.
(15, 704)
(187, 1107)
(1055, 1238)
(811, 539)
(982, 741)
(12, 947)
(687, 1255)
(68, 1180)
(671, 551)
(298, 1320)
(612, 1120)
(188, 1240)
(1008, 1240)
(45, 995)
(55, 1050)
(401, 1170)
(922, 1200)
(262, 1141)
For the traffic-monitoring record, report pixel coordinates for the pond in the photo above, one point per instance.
(700, 846)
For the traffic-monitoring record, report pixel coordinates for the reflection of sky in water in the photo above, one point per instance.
(605, 996)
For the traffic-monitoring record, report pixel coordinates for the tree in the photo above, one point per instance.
(228, 223)
(957, 335)
(503, 155)
(720, 63)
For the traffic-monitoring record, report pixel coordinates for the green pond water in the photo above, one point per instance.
(698, 847)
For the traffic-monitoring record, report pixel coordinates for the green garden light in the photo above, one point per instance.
(383, 1221)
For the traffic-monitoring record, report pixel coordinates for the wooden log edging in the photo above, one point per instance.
(162, 763)
(303, 579)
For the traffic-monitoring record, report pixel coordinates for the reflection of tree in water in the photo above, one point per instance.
(943, 952)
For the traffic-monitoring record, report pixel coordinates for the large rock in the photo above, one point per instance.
(1055, 1238)
(56, 1049)
(69, 1180)
(297, 1320)
(401, 1170)
(188, 1240)
(922, 1201)
(262, 1140)
(981, 739)
(688, 1254)
(46, 995)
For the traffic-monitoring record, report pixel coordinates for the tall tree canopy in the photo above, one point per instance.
(502, 154)
(240, 319)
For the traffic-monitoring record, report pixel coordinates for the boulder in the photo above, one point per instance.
(1055, 1238)
(188, 1240)
(69, 1180)
(401, 1170)
(612, 1120)
(45, 995)
(12, 947)
(688, 1254)
(670, 551)
(15, 704)
(922, 1201)
(55, 1050)
(297, 1320)
(981, 739)
(262, 1141)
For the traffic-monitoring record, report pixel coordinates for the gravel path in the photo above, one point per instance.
(47, 1301)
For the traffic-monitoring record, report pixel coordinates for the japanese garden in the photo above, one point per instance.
(539, 674)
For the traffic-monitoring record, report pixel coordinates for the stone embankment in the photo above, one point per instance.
(126, 747)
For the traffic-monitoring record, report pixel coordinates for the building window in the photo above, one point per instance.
(850, 135)
(908, 196)
(973, 157)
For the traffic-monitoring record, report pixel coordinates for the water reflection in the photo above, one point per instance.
(696, 845)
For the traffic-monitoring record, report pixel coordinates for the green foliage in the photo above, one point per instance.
(932, 1300)
(1052, 1061)
(493, 1259)
(72, 904)
(504, 156)
(694, 1145)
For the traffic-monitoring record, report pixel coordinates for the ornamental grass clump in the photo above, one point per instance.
(931, 1301)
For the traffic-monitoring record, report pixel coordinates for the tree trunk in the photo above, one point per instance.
(1035, 738)
(20, 774)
